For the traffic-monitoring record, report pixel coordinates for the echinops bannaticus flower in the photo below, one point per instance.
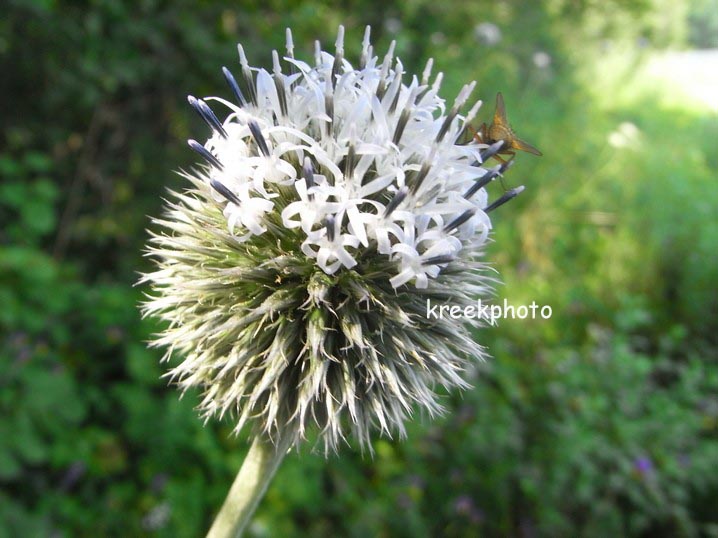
(294, 273)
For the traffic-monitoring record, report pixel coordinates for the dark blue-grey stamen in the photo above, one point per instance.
(258, 137)
(329, 110)
(308, 174)
(484, 180)
(205, 154)
(382, 86)
(420, 177)
(395, 101)
(282, 93)
(401, 125)
(447, 123)
(436, 260)
(422, 93)
(212, 119)
(247, 76)
(249, 81)
(508, 195)
(505, 166)
(398, 199)
(381, 89)
(461, 219)
(279, 83)
(224, 191)
(350, 162)
(232, 82)
(385, 66)
(329, 225)
(336, 67)
(207, 115)
(429, 195)
(492, 150)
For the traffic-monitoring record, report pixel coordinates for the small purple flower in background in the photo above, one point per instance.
(158, 482)
(643, 465)
(465, 506)
(20, 344)
(405, 501)
(72, 476)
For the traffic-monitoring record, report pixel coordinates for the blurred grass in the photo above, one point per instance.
(602, 421)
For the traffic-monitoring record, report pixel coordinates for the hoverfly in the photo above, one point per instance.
(499, 129)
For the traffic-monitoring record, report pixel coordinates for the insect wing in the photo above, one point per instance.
(519, 144)
(500, 113)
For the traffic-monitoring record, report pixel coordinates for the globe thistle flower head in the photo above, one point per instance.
(293, 274)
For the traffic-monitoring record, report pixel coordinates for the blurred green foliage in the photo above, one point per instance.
(602, 421)
(703, 18)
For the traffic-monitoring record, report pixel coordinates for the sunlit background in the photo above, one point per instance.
(602, 421)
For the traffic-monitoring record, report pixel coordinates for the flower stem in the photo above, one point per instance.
(249, 487)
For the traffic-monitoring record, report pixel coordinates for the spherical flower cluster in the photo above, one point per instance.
(293, 274)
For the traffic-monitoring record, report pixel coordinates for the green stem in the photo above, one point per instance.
(248, 488)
